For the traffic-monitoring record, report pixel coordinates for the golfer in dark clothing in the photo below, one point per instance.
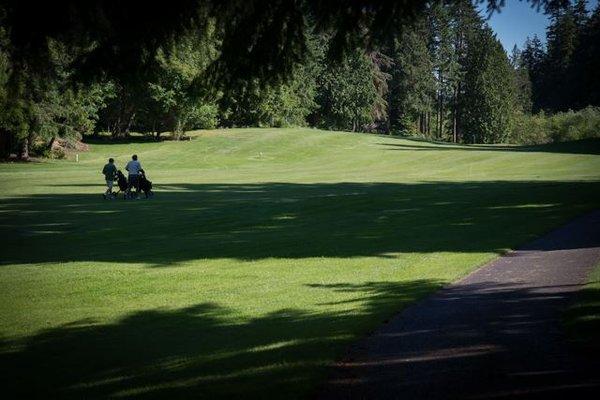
(134, 167)
(110, 173)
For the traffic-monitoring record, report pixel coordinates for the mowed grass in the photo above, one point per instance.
(264, 253)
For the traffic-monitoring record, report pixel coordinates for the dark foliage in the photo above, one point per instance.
(70, 68)
(564, 75)
(262, 38)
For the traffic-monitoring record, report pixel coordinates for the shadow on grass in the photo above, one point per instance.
(122, 140)
(196, 352)
(205, 350)
(202, 351)
(582, 319)
(483, 340)
(256, 221)
(586, 146)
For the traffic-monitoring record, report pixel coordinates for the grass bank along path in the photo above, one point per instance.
(497, 333)
(263, 255)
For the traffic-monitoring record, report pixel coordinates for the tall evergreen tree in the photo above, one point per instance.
(488, 103)
(586, 60)
(533, 58)
(347, 94)
(522, 81)
(381, 64)
(447, 68)
(565, 76)
(562, 40)
(412, 84)
(580, 14)
(466, 24)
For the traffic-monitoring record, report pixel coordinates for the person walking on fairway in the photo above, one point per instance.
(134, 167)
(110, 173)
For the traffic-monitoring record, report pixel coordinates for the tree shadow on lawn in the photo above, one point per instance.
(203, 352)
(196, 352)
(287, 220)
(132, 139)
(483, 340)
(582, 320)
(585, 146)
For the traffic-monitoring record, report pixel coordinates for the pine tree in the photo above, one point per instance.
(412, 85)
(451, 26)
(522, 81)
(467, 23)
(446, 65)
(347, 94)
(587, 63)
(566, 75)
(562, 40)
(488, 102)
(580, 14)
(533, 58)
(380, 76)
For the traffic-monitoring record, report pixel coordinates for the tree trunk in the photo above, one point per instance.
(179, 129)
(24, 153)
(454, 134)
(116, 127)
(5, 143)
(129, 123)
(429, 123)
(440, 116)
(388, 125)
(454, 125)
(50, 143)
(454, 115)
(429, 131)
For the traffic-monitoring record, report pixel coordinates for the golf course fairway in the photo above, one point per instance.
(263, 254)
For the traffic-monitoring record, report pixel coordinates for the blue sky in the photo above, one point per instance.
(517, 20)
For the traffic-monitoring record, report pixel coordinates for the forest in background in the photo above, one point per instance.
(443, 76)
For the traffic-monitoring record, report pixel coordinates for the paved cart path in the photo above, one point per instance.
(494, 334)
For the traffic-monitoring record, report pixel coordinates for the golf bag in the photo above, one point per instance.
(145, 185)
(122, 184)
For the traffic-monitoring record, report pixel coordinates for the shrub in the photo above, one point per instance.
(58, 153)
(560, 127)
(530, 129)
(203, 117)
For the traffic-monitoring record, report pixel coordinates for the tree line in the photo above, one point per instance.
(443, 75)
(564, 74)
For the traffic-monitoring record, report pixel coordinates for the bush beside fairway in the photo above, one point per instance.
(263, 254)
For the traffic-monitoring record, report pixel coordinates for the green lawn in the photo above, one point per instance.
(263, 254)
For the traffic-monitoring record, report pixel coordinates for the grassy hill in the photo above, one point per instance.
(263, 254)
